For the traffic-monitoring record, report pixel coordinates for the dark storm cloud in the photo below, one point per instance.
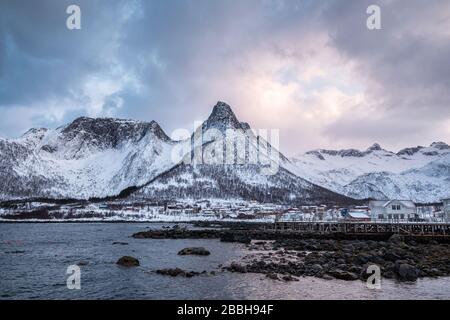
(406, 68)
(41, 57)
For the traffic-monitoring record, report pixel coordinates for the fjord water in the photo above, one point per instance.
(34, 258)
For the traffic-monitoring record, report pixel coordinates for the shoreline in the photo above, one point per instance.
(282, 256)
(18, 221)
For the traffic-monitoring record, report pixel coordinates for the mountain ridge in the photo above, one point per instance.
(376, 147)
(410, 173)
(103, 157)
(95, 158)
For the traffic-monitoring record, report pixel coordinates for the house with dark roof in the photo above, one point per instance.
(356, 215)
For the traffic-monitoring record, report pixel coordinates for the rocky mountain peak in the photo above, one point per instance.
(409, 151)
(375, 147)
(35, 131)
(222, 117)
(245, 126)
(440, 145)
(222, 109)
(158, 131)
(109, 132)
(34, 135)
(342, 153)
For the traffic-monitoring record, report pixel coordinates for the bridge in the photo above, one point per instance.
(364, 228)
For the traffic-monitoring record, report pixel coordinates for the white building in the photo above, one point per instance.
(446, 209)
(392, 209)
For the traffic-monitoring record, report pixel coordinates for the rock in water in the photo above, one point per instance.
(175, 272)
(121, 243)
(236, 267)
(343, 275)
(407, 272)
(198, 251)
(171, 272)
(289, 278)
(127, 261)
(272, 276)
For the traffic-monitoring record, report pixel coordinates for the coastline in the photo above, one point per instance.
(339, 256)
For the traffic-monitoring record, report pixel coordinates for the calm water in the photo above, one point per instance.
(34, 259)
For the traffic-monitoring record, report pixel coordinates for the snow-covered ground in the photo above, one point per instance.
(144, 217)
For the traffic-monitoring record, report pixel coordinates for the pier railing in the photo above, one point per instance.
(408, 228)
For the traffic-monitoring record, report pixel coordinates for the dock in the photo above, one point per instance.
(364, 228)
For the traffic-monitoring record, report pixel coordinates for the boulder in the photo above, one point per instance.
(190, 274)
(407, 272)
(343, 275)
(175, 272)
(364, 272)
(82, 263)
(289, 278)
(391, 256)
(363, 258)
(127, 261)
(396, 238)
(312, 270)
(272, 276)
(198, 251)
(398, 263)
(236, 267)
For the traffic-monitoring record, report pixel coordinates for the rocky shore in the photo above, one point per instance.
(287, 256)
(346, 259)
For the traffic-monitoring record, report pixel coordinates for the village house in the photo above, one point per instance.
(392, 209)
(355, 215)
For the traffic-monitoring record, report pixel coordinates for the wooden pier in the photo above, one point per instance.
(367, 228)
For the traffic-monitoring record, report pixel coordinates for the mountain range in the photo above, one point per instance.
(106, 157)
(421, 174)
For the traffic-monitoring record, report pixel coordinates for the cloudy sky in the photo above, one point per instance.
(309, 68)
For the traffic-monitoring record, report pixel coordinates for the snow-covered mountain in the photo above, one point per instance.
(86, 158)
(97, 158)
(419, 173)
(226, 159)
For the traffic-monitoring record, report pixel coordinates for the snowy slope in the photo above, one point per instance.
(429, 183)
(86, 158)
(102, 157)
(420, 173)
(95, 158)
(252, 170)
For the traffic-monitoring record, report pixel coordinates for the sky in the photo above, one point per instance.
(311, 69)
